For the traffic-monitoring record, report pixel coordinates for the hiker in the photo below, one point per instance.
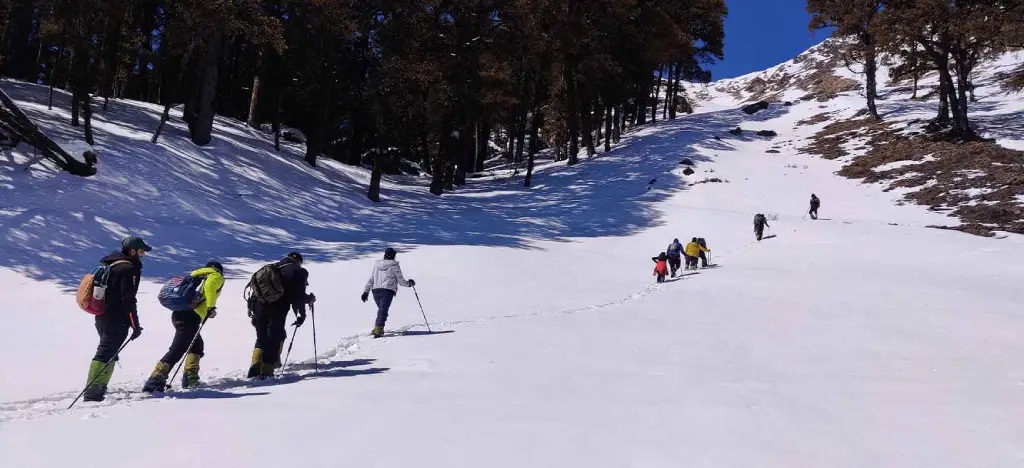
(384, 281)
(120, 315)
(759, 223)
(694, 251)
(186, 328)
(815, 203)
(703, 257)
(268, 318)
(661, 266)
(675, 252)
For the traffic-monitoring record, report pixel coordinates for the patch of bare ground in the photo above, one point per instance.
(816, 119)
(978, 181)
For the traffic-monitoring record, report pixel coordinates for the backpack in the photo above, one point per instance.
(265, 286)
(182, 293)
(92, 289)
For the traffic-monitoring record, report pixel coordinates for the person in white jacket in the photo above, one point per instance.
(384, 282)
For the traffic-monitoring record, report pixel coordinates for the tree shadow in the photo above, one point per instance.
(237, 199)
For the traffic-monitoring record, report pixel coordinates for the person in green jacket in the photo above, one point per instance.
(186, 327)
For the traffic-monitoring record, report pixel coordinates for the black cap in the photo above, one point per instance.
(216, 266)
(694, 239)
(295, 256)
(132, 242)
(389, 253)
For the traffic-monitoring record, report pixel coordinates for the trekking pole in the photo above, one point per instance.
(98, 374)
(194, 338)
(295, 331)
(421, 309)
(316, 365)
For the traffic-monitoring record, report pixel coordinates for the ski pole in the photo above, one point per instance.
(427, 323)
(316, 365)
(98, 374)
(194, 338)
(295, 331)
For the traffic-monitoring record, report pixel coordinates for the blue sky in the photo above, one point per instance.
(763, 33)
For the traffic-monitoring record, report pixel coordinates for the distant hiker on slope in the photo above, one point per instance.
(694, 251)
(275, 288)
(815, 203)
(759, 223)
(120, 315)
(703, 257)
(675, 253)
(661, 266)
(384, 281)
(186, 332)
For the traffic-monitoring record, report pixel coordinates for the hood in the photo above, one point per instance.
(117, 256)
(386, 264)
(205, 271)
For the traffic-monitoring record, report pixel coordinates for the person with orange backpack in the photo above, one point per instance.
(123, 271)
(661, 266)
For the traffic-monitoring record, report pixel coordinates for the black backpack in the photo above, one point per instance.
(265, 286)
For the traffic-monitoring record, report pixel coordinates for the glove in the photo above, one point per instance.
(299, 320)
(136, 332)
(365, 296)
(310, 298)
(412, 283)
(211, 313)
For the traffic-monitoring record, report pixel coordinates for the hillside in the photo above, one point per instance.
(862, 338)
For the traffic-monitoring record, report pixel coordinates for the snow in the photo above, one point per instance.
(901, 164)
(849, 341)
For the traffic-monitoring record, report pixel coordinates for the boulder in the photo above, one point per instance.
(687, 161)
(736, 131)
(767, 133)
(772, 151)
(688, 171)
(755, 107)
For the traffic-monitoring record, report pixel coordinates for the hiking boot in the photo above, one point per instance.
(256, 365)
(378, 332)
(157, 381)
(190, 378)
(99, 376)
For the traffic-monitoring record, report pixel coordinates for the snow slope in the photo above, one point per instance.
(860, 339)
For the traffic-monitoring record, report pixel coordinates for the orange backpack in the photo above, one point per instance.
(92, 290)
(661, 268)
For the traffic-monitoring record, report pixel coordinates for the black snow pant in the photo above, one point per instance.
(661, 278)
(112, 333)
(813, 212)
(270, 332)
(674, 261)
(186, 325)
(691, 262)
(703, 259)
(758, 232)
(383, 298)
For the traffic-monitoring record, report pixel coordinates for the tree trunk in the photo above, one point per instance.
(75, 103)
(87, 116)
(538, 120)
(607, 128)
(276, 126)
(917, 78)
(464, 154)
(617, 127)
(253, 121)
(673, 104)
(870, 72)
(374, 193)
(571, 115)
(483, 145)
(657, 94)
(598, 118)
(163, 120)
(961, 126)
(202, 131)
(640, 115)
(588, 127)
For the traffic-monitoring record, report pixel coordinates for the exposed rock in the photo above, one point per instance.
(787, 103)
(736, 131)
(772, 151)
(767, 133)
(688, 171)
(687, 161)
(755, 107)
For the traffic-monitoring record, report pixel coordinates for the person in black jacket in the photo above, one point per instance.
(759, 223)
(815, 204)
(121, 313)
(269, 318)
(703, 256)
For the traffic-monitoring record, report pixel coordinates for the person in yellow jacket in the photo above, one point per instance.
(692, 252)
(186, 328)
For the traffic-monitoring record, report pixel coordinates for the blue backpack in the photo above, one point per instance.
(182, 293)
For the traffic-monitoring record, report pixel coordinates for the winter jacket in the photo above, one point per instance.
(661, 267)
(387, 274)
(122, 287)
(294, 279)
(815, 202)
(760, 222)
(694, 249)
(674, 249)
(212, 285)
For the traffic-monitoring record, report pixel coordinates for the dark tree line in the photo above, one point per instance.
(949, 37)
(378, 81)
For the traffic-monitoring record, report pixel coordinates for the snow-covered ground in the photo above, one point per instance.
(860, 339)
